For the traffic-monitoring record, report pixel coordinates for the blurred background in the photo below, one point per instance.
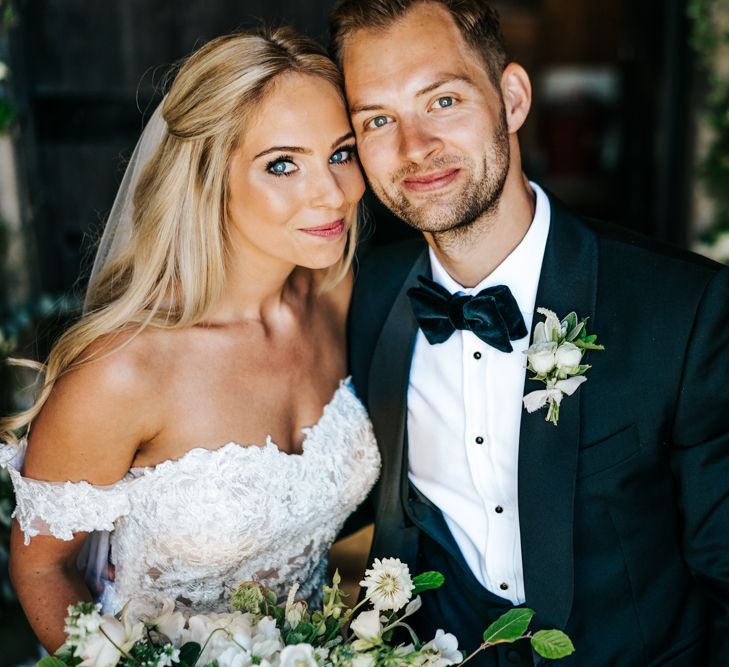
(630, 123)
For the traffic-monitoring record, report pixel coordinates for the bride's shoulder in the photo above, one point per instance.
(99, 411)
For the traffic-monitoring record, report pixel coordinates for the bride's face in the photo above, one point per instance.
(294, 178)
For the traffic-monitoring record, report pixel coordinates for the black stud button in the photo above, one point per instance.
(504, 587)
(479, 440)
(476, 355)
(499, 509)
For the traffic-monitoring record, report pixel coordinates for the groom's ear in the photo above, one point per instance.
(516, 91)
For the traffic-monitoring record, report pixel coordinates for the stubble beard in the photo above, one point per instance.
(466, 213)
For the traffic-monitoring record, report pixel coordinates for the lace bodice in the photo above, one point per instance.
(192, 528)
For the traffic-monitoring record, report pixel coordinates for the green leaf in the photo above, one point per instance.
(50, 662)
(590, 339)
(508, 627)
(552, 644)
(570, 321)
(190, 652)
(427, 581)
(574, 333)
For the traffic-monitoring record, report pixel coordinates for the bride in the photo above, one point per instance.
(198, 409)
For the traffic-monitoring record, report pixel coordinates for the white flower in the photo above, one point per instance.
(228, 636)
(4, 70)
(170, 655)
(542, 357)
(170, 623)
(446, 647)
(104, 647)
(568, 357)
(298, 655)
(363, 660)
(388, 584)
(367, 626)
(294, 612)
(82, 620)
(551, 324)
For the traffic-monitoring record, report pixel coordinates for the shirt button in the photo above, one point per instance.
(499, 509)
(479, 440)
(504, 586)
(476, 355)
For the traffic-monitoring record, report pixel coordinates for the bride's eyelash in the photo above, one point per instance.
(351, 149)
(273, 163)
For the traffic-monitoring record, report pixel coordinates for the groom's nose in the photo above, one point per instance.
(417, 142)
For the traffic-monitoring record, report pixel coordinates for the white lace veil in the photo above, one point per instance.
(94, 557)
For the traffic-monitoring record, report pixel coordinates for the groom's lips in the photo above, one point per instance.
(432, 181)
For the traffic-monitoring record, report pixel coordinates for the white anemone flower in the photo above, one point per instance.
(446, 646)
(388, 584)
(298, 655)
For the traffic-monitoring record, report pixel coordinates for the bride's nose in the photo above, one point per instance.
(326, 191)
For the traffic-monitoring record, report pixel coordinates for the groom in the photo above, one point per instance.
(613, 525)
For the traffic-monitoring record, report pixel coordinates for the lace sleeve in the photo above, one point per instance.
(61, 509)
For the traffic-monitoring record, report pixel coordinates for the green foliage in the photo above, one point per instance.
(509, 627)
(552, 644)
(427, 581)
(707, 37)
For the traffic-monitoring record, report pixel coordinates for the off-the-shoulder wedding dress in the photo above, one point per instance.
(190, 529)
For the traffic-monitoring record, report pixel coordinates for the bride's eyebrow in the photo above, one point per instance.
(300, 149)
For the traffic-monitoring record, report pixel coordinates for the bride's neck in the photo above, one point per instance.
(257, 289)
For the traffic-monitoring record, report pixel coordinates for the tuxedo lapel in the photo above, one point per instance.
(388, 386)
(548, 453)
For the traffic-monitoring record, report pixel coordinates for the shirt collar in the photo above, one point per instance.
(520, 270)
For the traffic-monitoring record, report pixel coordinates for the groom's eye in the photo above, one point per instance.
(377, 121)
(444, 102)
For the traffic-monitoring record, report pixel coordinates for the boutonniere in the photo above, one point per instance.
(555, 356)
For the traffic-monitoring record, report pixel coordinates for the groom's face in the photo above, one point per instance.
(430, 125)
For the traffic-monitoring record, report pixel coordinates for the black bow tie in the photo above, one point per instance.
(492, 314)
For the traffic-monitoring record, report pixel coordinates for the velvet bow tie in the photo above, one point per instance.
(492, 314)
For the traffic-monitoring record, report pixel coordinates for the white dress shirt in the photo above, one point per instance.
(464, 415)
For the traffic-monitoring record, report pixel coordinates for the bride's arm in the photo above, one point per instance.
(89, 430)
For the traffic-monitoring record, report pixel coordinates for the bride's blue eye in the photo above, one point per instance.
(342, 156)
(283, 166)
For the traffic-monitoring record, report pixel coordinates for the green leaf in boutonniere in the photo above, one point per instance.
(555, 358)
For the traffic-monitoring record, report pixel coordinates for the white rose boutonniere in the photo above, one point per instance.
(555, 357)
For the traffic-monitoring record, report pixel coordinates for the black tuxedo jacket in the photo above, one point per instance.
(624, 506)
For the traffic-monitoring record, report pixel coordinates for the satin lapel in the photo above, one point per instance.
(547, 453)
(388, 386)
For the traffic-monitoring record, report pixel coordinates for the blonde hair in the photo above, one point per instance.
(173, 268)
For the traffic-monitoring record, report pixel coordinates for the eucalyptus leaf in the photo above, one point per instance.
(570, 321)
(574, 333)
(49, 661)
(552, 644)
(509, 627)
(427, 581)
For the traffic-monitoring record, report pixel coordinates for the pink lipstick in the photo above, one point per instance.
(326, 231)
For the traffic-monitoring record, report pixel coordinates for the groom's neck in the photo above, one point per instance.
(472, 253)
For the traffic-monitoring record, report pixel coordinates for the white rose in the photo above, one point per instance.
(99, 650)
(568, 357)
(541, 356)
(367, 626)
(298, 655)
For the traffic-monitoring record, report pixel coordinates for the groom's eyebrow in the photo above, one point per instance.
(441, 81)
(300, 149)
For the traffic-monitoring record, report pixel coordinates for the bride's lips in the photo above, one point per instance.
(433, 181)
(326, 231)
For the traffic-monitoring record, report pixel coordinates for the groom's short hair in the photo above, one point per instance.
(477, 22)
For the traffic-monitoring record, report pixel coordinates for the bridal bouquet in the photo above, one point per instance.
(260, 631)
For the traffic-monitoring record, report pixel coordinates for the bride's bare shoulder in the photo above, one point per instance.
(101, 410)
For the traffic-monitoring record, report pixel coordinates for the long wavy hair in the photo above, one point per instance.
(174, 267)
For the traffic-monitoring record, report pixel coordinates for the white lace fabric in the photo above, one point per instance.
(192, 528)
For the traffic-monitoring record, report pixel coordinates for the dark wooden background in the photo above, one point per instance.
(88, 73)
